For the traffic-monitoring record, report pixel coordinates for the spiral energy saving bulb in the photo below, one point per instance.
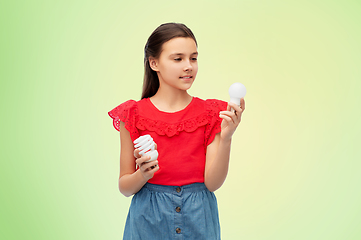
(146, 147)
(236, 92)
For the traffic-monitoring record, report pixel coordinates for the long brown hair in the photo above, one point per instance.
(153, 48)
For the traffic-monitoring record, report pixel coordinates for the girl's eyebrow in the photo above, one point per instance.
(181, 54)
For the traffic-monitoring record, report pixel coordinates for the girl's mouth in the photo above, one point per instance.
(186, 77)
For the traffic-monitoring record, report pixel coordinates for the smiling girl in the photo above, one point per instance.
(173, 195)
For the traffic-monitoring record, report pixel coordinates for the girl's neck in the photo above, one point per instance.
(171, 101)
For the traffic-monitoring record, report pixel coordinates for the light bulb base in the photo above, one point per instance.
(236, 100)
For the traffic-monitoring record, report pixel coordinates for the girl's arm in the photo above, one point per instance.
(130, 179)
(218, 152)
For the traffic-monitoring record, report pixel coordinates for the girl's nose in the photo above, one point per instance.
(188, 67)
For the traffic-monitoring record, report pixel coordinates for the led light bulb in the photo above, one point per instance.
(146, 147)
(236, 92)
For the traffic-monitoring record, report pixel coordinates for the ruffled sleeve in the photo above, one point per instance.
(213, 107)
(126, 112)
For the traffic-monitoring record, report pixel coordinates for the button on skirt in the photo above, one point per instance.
(160, 212)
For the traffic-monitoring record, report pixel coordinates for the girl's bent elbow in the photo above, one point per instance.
(127, 194)
(211, 187)
(124, 192)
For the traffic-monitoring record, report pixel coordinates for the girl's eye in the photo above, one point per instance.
(194, 59)
(177, 59)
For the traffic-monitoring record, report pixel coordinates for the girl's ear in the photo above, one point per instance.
(153, 63)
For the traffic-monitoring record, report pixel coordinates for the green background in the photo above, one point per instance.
(295, 160)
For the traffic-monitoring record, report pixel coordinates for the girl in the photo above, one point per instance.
(173, 195)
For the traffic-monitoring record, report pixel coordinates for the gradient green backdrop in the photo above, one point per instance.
(295, 161)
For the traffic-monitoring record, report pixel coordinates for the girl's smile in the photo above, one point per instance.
(187, 78)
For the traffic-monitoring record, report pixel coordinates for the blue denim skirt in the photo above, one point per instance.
(160, 212)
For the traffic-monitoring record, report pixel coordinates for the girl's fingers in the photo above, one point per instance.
(136, 153)
(227, 117)
(232, 105)
(234, 116)
(148, 169)
(227, 113)
(141, 160)
(144, 161)
(231, 118)
(241, 108)
(243, 104)
(238, 110)
(153, 169)
(148, 165)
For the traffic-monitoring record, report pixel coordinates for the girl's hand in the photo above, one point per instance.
(146, 168)
(231, 119)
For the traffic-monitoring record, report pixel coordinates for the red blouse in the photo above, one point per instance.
(182, 137)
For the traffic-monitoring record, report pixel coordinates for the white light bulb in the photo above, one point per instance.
(146, 146)
(236, 92)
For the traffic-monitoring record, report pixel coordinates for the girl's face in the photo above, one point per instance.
(177, 64)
